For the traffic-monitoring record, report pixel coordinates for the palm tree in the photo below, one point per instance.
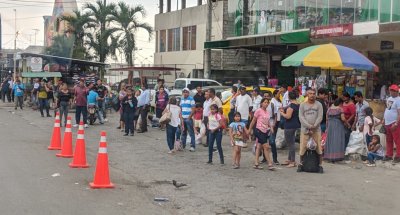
(128, 24)
(78, 23)
(61, 46)
(99, 42)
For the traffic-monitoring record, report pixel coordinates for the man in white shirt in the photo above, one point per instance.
(391, 121)
(244, 104)
(285, 93)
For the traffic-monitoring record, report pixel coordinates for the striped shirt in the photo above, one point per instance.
(187, 104)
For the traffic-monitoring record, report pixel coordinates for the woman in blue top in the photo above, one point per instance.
(292, 123)
(18, 90)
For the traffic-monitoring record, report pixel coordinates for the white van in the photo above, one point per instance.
(192, 83)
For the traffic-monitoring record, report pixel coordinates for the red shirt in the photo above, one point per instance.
(81, 96)
(349, 110)
(198, 115)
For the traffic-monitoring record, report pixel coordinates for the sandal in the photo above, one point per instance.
(272, 168)
(291, 165)
(285, 163)
(257, 167)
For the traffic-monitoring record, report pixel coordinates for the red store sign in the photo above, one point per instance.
(332, 31)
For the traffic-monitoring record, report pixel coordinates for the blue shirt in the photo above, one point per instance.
(18, 89)
(237, 130)
(187, 104)
(92, 97)
(144, 98)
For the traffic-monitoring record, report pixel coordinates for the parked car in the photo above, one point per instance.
(217, 89)
(227, 96)
(192, 83)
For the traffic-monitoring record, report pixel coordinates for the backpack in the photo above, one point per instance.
(310, 161)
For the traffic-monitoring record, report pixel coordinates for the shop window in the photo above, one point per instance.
(163, 40)
(385, 11)
(348, 11)
(189, 38)
(157, 42)
(396, 11)
(174, 39)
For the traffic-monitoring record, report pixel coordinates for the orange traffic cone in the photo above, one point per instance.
(55, 142)
(79, 160)
(102, 175)
(66, 149)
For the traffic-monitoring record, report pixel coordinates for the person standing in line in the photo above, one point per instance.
(310, 115)
(262, 132)
(206, 111)
(233, 103)
(244, 105)
(236, 131)
(256, 99)
(18, 90)
(102, 92)
(136, 116)
(361, 105)
(275, 118)
(42, 98)
(5, 88)
(129, 104)
(172, 126)
(93, 99)
(35, 90)
(161, 99)
(144, 105)
(215, 99)
(322, 98)
(187, 105)
(50, 94)
(64, 101)
(80, 100)
(199, 97)
(391, 121)
(285, 95)
(11, 91)
(291, 114)
(214, 126)
(335, 140)
(121, 95)
(349, 110)
(370, 122)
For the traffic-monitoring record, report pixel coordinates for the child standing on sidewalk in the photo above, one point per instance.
(197, 117)
(236, 131)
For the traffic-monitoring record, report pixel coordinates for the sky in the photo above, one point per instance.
(30, 16)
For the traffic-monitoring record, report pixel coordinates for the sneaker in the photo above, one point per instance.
(222, 162)
(86, 126)
(191, 149)
(321, 169)
(76, 125)
(131, 134)
(126, 134)
(277, 163)
(48, 115)
(300, 168)
(396, 160)
(371, 165)
(105, 120)
(170, 152)
(209, 162)
(101, 123)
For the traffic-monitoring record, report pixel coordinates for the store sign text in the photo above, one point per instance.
(332, 31)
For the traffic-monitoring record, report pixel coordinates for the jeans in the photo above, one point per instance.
(143, 115)
(392, 137)
(128, 119)
(19, 101)
(81, 110)
(323, 127)
(368, 139)
(5, 94)
(64, 106)
(347, 132)
(290, 138)
(99, 114)
(272, 143)
(171, 131)
(188, 127)
(216, 136)
(372, 157)
(101, 109)
(44, 104)
(178, 133)
(231, 115)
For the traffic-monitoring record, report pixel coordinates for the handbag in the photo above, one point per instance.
(166, 117)
(382, 130)
(137, 112)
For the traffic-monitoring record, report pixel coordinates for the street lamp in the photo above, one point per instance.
(36, 31)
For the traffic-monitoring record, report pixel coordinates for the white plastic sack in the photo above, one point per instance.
(202, 133)
(356, 144)
(280, 139)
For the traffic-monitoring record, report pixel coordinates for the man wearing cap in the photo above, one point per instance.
(187, 105)
(80, 100)
(391, 121)
(244, 105)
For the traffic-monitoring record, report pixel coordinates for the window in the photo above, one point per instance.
(163, 40)
(174, 39)
(189, 38)
(195, 84)
(157, 42)
(211, 83)
(180, 84)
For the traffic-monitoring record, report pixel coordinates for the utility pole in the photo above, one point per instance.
(15, 44)
(36, 31)
(207, 57)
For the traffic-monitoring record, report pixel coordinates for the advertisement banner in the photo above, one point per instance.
(332, 31)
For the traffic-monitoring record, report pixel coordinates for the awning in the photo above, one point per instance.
(297, 37)
(41, 75)
(63, 60)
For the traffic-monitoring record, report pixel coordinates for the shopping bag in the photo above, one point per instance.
(280, 139)
(356, 144)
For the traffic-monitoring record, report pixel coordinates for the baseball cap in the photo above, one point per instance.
(186, 89)
(394, 87)
(242, 88)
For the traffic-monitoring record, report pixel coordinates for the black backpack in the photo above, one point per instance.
(310, 161)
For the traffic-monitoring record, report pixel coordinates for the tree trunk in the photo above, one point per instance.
(130, 73)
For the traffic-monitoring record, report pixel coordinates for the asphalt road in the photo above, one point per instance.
(28, 187)
(141, 169)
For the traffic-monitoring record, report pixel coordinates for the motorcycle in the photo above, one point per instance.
(92, 111)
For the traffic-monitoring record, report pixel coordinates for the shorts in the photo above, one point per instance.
(304, 139)
(239, 143)
(262, 138)
(197, 123)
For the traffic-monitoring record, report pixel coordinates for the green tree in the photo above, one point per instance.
(127, 21)
(61, 46)
(78, 25)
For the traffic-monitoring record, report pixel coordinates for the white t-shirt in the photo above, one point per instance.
(243, 103)
(285, 99)
(206, 107)
(392, 105)
(277, 105)
(213, 121)
(368, 121)
(256, 102)
(175, 112)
